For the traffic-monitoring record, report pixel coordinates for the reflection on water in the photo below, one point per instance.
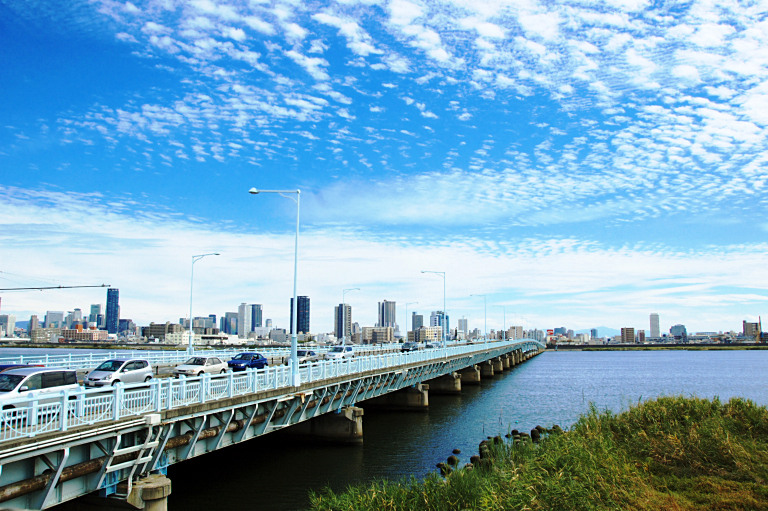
(277, 471)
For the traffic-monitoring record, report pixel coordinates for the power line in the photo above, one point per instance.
(42, 288)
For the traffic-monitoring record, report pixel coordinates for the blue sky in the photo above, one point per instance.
(579, 163)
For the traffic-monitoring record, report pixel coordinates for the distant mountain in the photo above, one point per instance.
(602, 331)
(23, 324)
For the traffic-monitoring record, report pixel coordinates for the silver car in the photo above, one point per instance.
(125, 370)
(196, 366)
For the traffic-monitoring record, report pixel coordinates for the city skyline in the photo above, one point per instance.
(570, 161)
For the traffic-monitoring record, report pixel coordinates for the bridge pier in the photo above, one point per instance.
(506, 362)
(147, 494)
(343, 427)
(486, 369)
(414, 398)
(470, 375)
(447, 384)
(498, 365)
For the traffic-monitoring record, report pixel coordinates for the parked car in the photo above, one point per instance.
(196, 366)
(431, 345)
(35, 382)
(410, 346)
(244, 361)
(307, 356)
(125, 370)
(340, 352)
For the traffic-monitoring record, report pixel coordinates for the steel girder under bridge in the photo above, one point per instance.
(104, 439)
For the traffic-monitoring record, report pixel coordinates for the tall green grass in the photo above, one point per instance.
(670, 453)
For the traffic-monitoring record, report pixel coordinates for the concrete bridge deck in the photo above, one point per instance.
(108, 439)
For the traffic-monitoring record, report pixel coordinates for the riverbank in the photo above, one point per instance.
(652, 347)
(668, 453)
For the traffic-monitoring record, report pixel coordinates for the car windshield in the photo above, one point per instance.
(8, 382)
(243, 356)
(301, 353)
(195, 361)
(110, 365)
(337, 349)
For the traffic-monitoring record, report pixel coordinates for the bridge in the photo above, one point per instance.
(120, 440)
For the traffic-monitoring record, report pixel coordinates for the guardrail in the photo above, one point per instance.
(24, 418)
(91, 360)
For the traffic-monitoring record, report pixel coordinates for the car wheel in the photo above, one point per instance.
(115, 382)
(200, 373)
(222, 371)
(147, 379)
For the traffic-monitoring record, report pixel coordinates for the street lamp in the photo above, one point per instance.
(295, 377)
(504, 333)
(195, 258)
(442, 274)
(406, 319)
(485, 317)
(343, 302)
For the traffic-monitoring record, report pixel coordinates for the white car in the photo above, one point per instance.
(340, 352)
(35, 382)
(196, 366)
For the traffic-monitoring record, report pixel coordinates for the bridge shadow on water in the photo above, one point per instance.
(277, 471)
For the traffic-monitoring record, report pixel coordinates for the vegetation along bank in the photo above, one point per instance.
(670, 453)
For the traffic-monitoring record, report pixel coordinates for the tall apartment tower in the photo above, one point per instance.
(387, 314)
(627, 335)
(440, 318)
(303, 315)
(342, 320)
(113, 310)
(248, 318)
(417, 321)
(655, 331)
(463, 325)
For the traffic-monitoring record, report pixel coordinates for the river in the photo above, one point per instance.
(275, 472)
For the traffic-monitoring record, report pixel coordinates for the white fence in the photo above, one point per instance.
(23, 418)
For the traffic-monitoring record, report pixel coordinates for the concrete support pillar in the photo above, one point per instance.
(150, 493)
(506, 361)
(415, 398)
(486, 369)
(342, 427)
(447, 384)
(518, 356)
(498, 365)
(470, 376)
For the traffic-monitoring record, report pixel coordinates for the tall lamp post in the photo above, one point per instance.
(295, 377)
(504, 333)
(442, 274)
(406, 319)
(195, 258)
(485, 317)
(343, 302)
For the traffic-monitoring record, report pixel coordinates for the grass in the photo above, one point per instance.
(671, 453)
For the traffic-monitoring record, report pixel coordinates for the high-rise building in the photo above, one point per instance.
(417, 321)
(54, 319)
(655, 331)
(593, 333)
(34, 323)
(7, 325)
(750, 329)
(303, 315)
(248, 318)
(96, 310)
(463, 325)
(113, 310)
(229, 323)
(387, 314)
(627, 335)
(342, 321)
(439, 318)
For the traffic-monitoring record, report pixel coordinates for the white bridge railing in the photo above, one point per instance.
(155, 357)
(24, 418)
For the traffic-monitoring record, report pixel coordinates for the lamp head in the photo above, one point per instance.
(253, 191)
